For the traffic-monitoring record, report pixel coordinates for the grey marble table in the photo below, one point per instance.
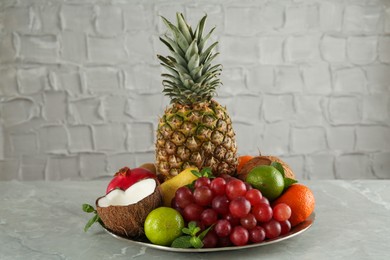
(44, 220)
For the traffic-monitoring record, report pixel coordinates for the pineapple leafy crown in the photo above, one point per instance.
(192, 78)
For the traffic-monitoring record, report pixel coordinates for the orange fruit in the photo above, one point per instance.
(242, 160)
(301, 201)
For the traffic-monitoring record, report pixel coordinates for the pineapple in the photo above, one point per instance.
(195, 130)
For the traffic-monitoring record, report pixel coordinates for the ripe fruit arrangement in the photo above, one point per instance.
(199, 193)
(237, 213)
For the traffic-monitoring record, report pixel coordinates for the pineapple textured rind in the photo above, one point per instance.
(199, 136)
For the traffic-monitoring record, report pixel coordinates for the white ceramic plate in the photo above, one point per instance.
(297, 230)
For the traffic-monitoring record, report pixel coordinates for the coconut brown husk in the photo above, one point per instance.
(264, 160)
(128, 221)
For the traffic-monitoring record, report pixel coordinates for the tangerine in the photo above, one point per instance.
(242, 160)
(301, 201)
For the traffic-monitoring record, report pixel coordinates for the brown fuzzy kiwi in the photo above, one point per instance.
(149, 166)
(128, 221)
(264, 160)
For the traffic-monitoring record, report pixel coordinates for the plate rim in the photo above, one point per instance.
(297, 230)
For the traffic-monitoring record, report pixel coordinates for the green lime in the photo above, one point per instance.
(266, 179)
(163, 225)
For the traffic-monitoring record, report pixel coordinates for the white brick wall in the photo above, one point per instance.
(80, 85)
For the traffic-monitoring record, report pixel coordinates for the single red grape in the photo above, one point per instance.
(272, 228)
(239, 207)
(235, 188)
(176, 206)
(265, 200)
(208, 217)
(220, 204)
(202, 181)
(262, 212)
(285, 227)
(239, 236)
(210, 240)
(249, 221)
(222, 228)
(218, 186)
(183, 197)
(256, 234)
(281, 212)
(254, 196)
(192, 212)
(203, 195)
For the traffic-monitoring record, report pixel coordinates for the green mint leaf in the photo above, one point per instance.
(196, 242)
(88, 208)
(204, 232)
(101, 222)
(191, 240)
(192, 225)
(191, 186)
(182, 242)
(91, 222)
(186, 231)
(193, 228)
(288, 182)
(196, 173)
(206, 172)
(195, 231)
(278, 167)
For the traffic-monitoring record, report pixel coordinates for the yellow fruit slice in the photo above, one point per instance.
(169, 187)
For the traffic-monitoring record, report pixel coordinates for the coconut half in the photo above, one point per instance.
(124, 212)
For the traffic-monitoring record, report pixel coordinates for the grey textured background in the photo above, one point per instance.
(80, 85)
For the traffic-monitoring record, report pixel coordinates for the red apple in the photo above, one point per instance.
(126, 177)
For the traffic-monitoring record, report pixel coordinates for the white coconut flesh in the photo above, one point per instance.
(132, 195)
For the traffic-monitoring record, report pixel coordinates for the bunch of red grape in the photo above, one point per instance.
(239, 214)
